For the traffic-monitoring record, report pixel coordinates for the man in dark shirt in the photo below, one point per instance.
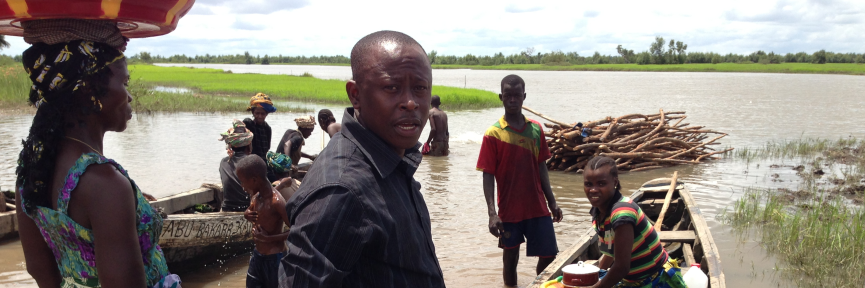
(237, 140)
(359, 219)
(260, 106)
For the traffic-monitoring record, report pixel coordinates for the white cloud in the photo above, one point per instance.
(458, 27)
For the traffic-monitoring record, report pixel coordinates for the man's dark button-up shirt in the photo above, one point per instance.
(260, 137)
(359, 219)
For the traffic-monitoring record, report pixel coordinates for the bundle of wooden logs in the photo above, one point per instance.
(637, 142)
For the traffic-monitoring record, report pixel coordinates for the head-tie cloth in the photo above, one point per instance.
(237, 135)
(263, 101)
(306, 122)
(54, 31)
(58, 70)
(278, 162)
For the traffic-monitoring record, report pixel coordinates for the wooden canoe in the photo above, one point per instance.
(8, 222)
(199, 236)
(684, 232)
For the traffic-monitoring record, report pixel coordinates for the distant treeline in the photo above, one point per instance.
(244, 58)
(659, 52)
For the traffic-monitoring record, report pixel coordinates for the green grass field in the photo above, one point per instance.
(217, 82)
(829, 68)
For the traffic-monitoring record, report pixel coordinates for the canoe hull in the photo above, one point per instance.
(8, 224)
(684, 225)
(191, 236)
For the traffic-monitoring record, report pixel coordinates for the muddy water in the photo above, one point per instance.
(167, 154)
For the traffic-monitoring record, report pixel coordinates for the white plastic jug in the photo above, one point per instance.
(695, 278)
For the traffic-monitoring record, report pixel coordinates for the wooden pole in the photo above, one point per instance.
(563, 124)
(667, 201)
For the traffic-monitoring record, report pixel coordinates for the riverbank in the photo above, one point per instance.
(213, 90)
(286, 87)
(816, 227)
(804, 68)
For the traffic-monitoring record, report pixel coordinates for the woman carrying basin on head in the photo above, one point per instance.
(82, 221)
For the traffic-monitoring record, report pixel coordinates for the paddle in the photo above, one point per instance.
(666, 201)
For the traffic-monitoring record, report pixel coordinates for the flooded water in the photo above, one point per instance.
(171, 153)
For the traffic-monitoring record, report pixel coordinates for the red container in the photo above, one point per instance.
(135, 18)
(580, 274)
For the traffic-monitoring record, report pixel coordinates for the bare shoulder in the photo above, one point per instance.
(104, 184)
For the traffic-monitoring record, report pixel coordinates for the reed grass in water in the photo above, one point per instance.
(14, 87)
(818, 231)
(287, 87)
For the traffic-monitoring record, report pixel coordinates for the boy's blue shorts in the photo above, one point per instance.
(538, 232)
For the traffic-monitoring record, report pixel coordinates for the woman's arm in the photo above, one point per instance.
(623, 242)
(605, 262)
(114, 223)
(39, 258)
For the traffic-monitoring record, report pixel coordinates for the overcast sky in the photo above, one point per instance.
(459, 27)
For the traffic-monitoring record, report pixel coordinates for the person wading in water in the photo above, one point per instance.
(438, 134)
(513, 159)
(82, 221)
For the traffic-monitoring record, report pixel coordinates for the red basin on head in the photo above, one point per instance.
(135, 18)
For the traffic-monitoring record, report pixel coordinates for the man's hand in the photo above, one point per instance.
(496, 226)
(556, 211)
(250, 215)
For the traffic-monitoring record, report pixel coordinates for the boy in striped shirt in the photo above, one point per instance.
(513, 155)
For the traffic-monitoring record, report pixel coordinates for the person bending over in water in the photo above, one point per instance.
(267, 215)
(438, 124)
(631, 248)
(328, 122)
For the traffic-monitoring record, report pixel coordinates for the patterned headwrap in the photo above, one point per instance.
(305, 122)
(58, 70)
(263, 101)
(278, 162)
(235, 138)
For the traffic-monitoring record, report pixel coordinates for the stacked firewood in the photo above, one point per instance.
(637, 142)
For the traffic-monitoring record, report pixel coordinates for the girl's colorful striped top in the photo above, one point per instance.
(647, 254)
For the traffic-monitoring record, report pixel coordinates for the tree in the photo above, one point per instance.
(3, 43)
(432, 56)
(626, 54)
(265, 60)
(657, 51)
(145, 57)
(819, 57)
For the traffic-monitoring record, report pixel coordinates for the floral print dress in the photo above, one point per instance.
(73, 245)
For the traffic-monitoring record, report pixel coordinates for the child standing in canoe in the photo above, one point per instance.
(631, 248)
(266, 212)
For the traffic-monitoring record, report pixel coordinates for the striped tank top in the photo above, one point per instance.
(647, 254)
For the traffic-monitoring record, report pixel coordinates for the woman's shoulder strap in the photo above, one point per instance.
(74, 174)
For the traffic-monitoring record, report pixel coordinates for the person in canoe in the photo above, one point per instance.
(328, 122)
(238, 141)
(632, 251)
(260, 106)
(267, 216)
(82, 220)
(293, 140)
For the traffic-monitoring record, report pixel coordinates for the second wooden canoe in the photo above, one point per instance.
(684, 231)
